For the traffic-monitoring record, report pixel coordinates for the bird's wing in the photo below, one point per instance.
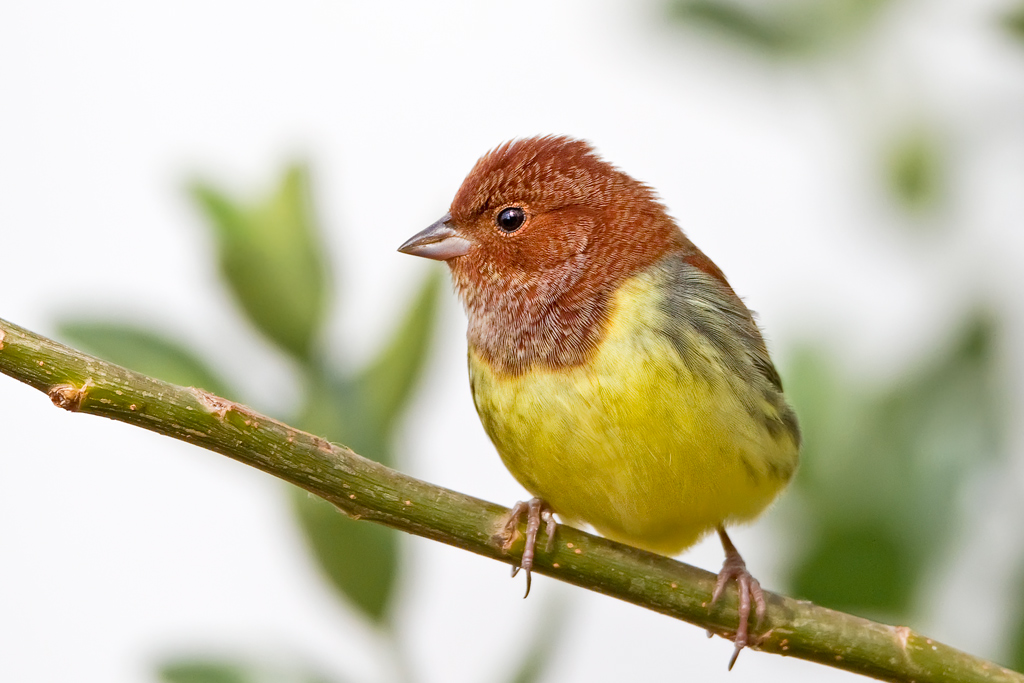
(716, 337)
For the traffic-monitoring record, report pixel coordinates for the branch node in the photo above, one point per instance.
(902, 636)
(3, 335)
(68, 396)
(213, 403)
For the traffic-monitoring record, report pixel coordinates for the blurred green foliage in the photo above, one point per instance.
(793, 28)
(360, 560)
(226, 671)
(272, 261)
(362, 410)
(913, 161)
(1016, 649)
(145, 351)
(914, 168)
(1013, 21)
(883, 470)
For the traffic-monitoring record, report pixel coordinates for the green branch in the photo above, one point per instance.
(367, 490)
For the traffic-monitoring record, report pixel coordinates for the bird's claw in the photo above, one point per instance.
(734, 568)
(536, 511)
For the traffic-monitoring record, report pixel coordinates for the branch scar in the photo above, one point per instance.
(68, 396)
(213, 403)
(902, 637)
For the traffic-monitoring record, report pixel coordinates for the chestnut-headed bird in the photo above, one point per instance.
(624, 384)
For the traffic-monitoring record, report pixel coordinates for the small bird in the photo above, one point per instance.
(622, 381)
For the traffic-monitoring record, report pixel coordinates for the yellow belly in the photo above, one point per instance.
(633, 442)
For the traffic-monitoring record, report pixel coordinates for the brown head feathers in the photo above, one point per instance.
(554, 229)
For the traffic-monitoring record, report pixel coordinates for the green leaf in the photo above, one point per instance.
(385, 386)
(863, 570)
(360, 559)
(738, 23)
(1017, 630)
(1013, 21)
(336, 410)
(144, 351)
(211, 670)
(204, 672)
(272, 259)
(914, 168)
(882, 466)
(796, 28)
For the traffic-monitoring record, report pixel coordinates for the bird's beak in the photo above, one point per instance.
(440, 242)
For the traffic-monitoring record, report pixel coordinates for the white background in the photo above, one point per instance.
(119, 548)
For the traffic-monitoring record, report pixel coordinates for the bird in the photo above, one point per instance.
(620, 378)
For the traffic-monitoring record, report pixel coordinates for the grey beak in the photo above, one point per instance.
(439, 242)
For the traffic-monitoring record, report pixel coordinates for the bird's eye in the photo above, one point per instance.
(510, 219)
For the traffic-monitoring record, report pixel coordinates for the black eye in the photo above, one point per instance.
(511, 219)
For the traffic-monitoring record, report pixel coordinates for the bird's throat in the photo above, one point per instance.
(555, 321)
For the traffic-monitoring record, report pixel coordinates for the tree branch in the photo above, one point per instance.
(367, 490)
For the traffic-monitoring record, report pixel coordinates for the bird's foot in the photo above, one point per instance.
(536, 511)
(734, 568)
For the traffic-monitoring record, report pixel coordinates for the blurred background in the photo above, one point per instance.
(214, 192)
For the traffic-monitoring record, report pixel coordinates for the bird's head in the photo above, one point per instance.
(546, 208)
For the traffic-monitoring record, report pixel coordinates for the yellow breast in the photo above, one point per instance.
(641, 445)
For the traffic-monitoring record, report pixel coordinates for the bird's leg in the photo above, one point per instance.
(536, 511)
(735, 568)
